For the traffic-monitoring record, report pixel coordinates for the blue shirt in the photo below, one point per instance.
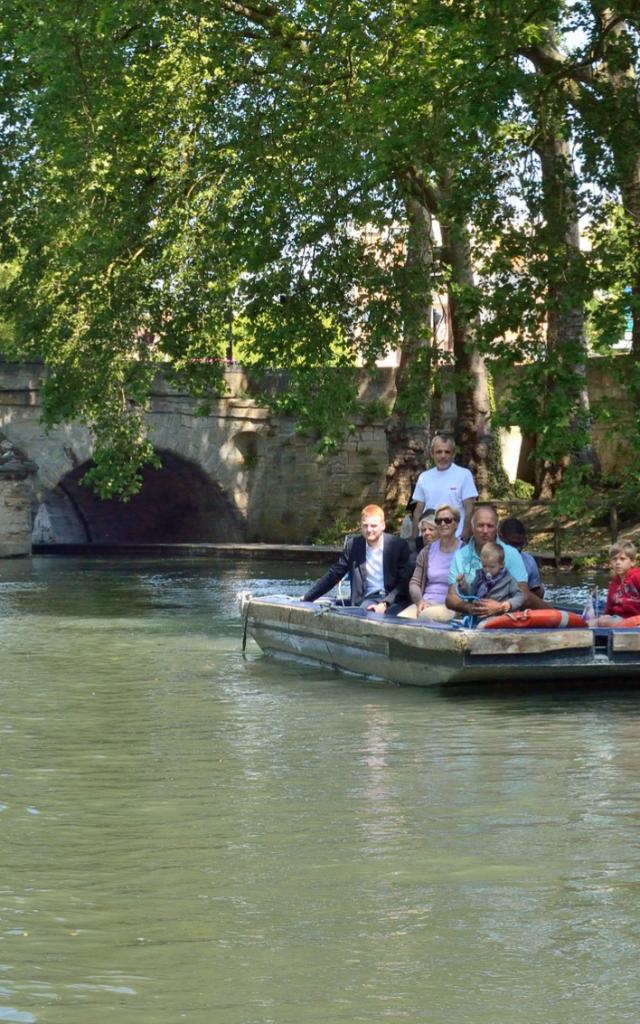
(532, 569)
(467, 560)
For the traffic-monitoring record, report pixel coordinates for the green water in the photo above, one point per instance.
(188, 835)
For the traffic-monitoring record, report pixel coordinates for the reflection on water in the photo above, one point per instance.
(193, 835)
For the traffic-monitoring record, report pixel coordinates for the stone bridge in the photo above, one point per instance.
(239, 474)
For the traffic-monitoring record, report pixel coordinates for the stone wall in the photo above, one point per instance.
(611, 446)
(270, 483)
(16, 491)
(294, 493)
(15, 518)
(281, 488)
(266, 482)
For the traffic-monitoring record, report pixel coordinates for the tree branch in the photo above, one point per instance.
(421, 189)
(268, 17)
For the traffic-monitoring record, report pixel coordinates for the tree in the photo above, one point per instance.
(287, 162)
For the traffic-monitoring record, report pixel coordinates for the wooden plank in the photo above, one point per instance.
(627, 641)
(355, 628)
(317, 626)
(376, 633)
(523, 641)
(413, 635)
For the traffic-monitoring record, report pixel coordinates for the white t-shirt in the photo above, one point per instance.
(375, 570)
(450, 486)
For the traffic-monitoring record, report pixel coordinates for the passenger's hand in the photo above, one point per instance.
(380, 608)
(486, 607)
(606, 620)
(421, 607)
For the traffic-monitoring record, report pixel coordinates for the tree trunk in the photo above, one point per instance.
(623, 124)
(566, 437)
(472, 428)
(407, 428)
(479, 449)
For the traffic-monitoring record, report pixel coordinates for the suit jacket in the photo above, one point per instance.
(396, 566)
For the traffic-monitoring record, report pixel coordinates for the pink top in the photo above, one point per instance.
(438, 564)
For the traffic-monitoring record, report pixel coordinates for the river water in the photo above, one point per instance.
(190, 835)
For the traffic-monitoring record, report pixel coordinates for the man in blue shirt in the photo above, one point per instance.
(512, 531)
(466, 562)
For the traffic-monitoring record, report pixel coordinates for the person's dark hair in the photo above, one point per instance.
(513, 528)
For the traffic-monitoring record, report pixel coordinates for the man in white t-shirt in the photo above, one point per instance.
(445, 484)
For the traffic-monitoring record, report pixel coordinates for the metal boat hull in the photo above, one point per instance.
(419, 654)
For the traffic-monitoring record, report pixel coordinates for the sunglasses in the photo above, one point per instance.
(444, 519)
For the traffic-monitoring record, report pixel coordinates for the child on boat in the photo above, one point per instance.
(623, 597)
(494, 580)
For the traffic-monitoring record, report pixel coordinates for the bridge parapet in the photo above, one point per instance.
(240, 473)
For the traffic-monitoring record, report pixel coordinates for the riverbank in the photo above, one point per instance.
(568, 544)
(260, 552)
(581, 542)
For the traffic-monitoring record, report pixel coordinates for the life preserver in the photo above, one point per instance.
(629, 623)
(535, 618)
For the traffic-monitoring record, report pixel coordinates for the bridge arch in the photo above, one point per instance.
(177, 504)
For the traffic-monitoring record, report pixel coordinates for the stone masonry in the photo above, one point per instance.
(240, 473)
(274, 487)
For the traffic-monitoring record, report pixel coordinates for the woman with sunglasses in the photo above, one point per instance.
(430, 581)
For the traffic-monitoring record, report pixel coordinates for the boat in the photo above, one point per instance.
(432, 654)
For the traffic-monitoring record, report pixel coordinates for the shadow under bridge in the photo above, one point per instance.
(177, 504)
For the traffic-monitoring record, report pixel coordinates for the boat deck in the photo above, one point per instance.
(427, 654)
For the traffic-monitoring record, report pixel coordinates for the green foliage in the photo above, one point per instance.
(596, 561)
(340, 527)
(423, 378)
(324, 401)
(119, 457)
(7, 273)
(521, 489)
(574, 492)
(374, 411)
(183, 179)
(625, 493)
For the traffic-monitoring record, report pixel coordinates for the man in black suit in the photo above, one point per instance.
(378, 565)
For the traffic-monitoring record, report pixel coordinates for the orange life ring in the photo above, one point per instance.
(535, 618)
(629, 623)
